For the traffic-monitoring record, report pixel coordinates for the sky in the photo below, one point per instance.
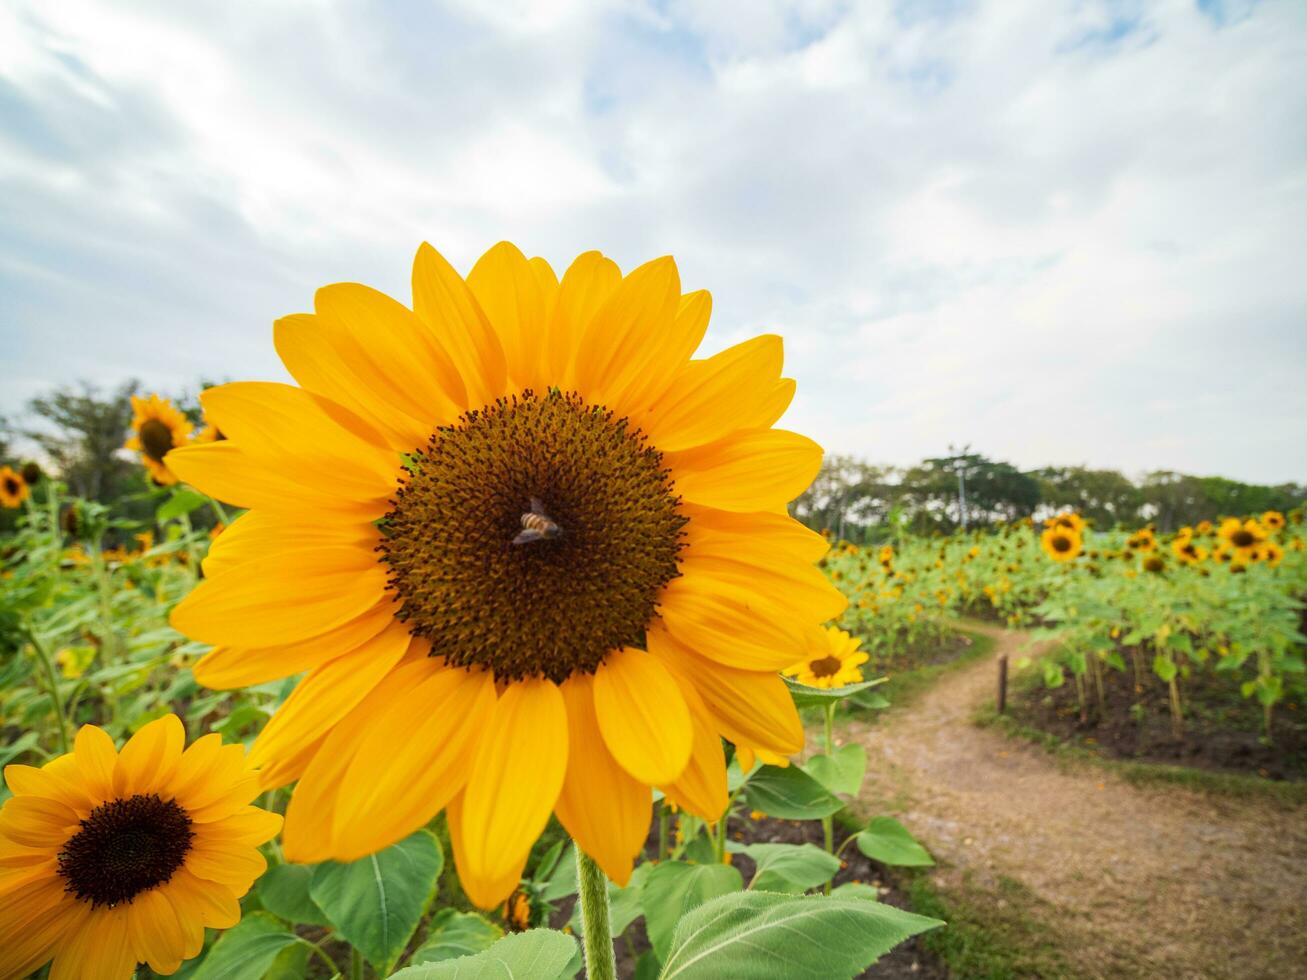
(1061, 232)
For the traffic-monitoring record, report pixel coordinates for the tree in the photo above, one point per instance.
(1104, 496)
(86, 431)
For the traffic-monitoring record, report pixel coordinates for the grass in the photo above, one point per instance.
(1146, 773)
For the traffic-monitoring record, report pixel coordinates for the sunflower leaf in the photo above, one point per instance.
(789, 793)
(673, 888)
(888, 841)
(803, 937)
(453, 934)
(807, 697)
(284, 891)
(376, 902)
(842, 770)
(790, 867)
(541, 954)
(247, 949)
(182, 501)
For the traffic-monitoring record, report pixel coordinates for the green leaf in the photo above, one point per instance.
(888, 841)
(857, 889)
(292, 963)
(562, 882)
(790, 867)
(842, 771)
(246, 950)
(760, 935)
(284, 891)
(807, 697)
(538, 954)
(789, 793)
(181, 502)
(1164, 668)
(453, 934)
(376, 902)
(673, 888)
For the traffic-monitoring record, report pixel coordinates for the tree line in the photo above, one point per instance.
(858, 501)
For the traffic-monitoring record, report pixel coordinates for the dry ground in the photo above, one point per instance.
(1129, 881)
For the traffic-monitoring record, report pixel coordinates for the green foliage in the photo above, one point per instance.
(790, 793)
(673, 888)
(452, 934)
(888, 841)
(540, 954)
(248, 949)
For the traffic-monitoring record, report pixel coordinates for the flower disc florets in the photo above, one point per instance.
(124, 848)
(547, 607)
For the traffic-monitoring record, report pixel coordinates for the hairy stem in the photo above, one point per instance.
(592, 892)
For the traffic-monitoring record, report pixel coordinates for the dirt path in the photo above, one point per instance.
(1129, 881)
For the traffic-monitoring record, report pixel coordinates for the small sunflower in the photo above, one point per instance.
(1272, 554)
(1273, 520)
(1187, 551)
(1154, 563)
(1242, 538)
(1145, 539)
(1069, 520)
(159, 428)
(533, 556)
(833, 660)
(1203, 527)
(1061, 543)
(109, 859)
(13, 488)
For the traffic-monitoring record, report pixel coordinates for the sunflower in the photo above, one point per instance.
(158, 427)
(1188, 552)
(1203, 527)
(1242, 538)
(832, 660)
(110, 859)
(1272, 554)
(1145, 539)
(1061, 543)
(1069, 520)
(13, 488)
(1273, 520)
(532, 555)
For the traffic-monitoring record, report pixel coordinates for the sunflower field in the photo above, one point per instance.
(1219, 604)
(480, 651)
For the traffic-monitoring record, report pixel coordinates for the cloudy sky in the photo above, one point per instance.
(1061, 232)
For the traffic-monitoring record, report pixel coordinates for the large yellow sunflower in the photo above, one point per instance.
(13, 488)
(833, 660)
(532, 555)
(158, 427)
(110, 859)
(1242, 538)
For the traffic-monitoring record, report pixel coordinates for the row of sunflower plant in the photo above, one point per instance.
(505, 567)
(1223, 597)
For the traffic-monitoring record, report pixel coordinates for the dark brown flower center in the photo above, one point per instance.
(12, 486)
(533, 537)
(1061, 543)
(825, 666)
(125, 847)
(156, 439)
(1154, 564)
(1243, 538)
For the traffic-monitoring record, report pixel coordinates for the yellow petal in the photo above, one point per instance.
(35, 821)
(214, 903)
(793, 589)
(758, 537)
(587, 285)
(729, 629)
(96, 758)
(248, 825)
(758, 470)
(224, 668)
(59, 779)
(156, 935)
(283, 597)
(482, 889)
(99, 949)
(325, 696)
(748, 707)
(642, 715)
(614, 833)
(701, 787)
(44, 922)
(514, 783)
(509, 292)
(150, 758)
(224, 471)
(230, 864)
(709, 399)
(256, 533)
(445, 303)
(413, 759)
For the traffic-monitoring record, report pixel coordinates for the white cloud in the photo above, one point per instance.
(1061, 232)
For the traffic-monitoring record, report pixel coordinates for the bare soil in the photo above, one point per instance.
(1222, 730)
(1129, 880)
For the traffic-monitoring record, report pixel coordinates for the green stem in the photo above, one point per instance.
(191, 565)
(592, 891)
(321, 954)
(219, 511)
(355, 964)
(828, 822)
(43, 655)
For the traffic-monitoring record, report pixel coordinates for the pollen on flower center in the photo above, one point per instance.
(125, 847)
(156, 439)
(541, 605)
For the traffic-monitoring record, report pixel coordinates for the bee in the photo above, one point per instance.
(537, 525)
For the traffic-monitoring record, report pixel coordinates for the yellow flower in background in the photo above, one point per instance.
(531, 554)
(1069, 520)
(1203, 527)
(1272, 553)
(1142, 540)
(73, 661)
(1061, 543)
(832, 660)
(159, 428)
(1273, 520)
(109, 859)
(1242, 538)
(13, 488)
(1189, 553)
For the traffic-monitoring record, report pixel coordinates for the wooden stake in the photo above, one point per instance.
(1002, 683)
